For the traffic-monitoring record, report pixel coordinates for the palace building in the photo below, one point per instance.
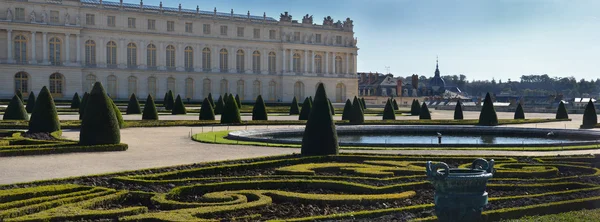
(67, 45)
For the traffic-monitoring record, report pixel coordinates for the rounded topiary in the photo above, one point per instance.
(75, 101)
(210, 99)
(347, 113)
(219, 106)
(331, 107)
(415, 108)
(424, 113)
(15, 110)
(488, 116)
(206, 111)
(388, 111)
(44, 117)
(117, 113)
(294, 109)
(100, 124)
(170, 100)
(83, 104)
(178, 107)
(30, 102)
(562, 113)
(357, 117)
(20, 95)
(150, 112)
(458, 112)
(519, 113)
(133, 107)
(231, 112)
(395, 104)
(305, 112)
(259, 112)
(590, 119)
(320, 135)
(238, 101)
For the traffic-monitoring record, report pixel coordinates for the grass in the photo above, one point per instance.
(573, 216)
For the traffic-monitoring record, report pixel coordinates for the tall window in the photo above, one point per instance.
(296, 63)
(110, 21)
(318, 64)
(170, 26)
(256, 88)
(55, 45)
(240, 31)
(223, 30)
(22, 82)
(189, 27)
(206, 60)
(20, 14)
(272, 90)
(317, 38)
(206, 29)
(189, 58)
(241, 86)
(224, 87)
(90, 79)
(56, 84)
(152, 86)
(112, 86)
(296, 36)
(338, 40)
(239, 63)
(338, 64)
(90, 19)
(20, 54)
(299, 90)
(171, 84)
(132, 85)
(151, 24)
(340, 92)
(54, 17)
(256, 33)
(151, 56)
(223, 60)
(90, 53)
(170, 56)
(272, 34)
(131, 23)
(206, 87)
(189, 88)
(256, 62)
(111, 53)
(272, 62)
(131, 55)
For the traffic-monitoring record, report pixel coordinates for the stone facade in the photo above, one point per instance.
(135, 48)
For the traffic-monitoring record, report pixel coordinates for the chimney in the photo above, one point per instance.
(370, 78)
(415, 81)
(399, 87)
(363, 76)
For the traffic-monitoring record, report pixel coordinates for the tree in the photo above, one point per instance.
(133, 107)
(562, 113)
(219, 106)
(206, 111)
(15, 110)
(170, 100)
(331, 107)
(150, 112)
(166, 100)
(488, 116)
(364, 105)
(100, 124)
(231, 112)
(415, 108)
(117, 113)
(83, 104)
(395, 104)
(20, 95)
(388, 111)
(259, 111)
(237, 101)
(225, 97)
(294, 109)
(178, 107)
(320, 135)
(519, 114)
(30, 102)
(210, 99)
(424, 113)
(590, 119)
(305, 112)
(44, 118)
(347, 114)
(75, 101)
(458, 112)
(357, 116)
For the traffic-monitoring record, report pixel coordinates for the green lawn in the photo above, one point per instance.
(573, 216)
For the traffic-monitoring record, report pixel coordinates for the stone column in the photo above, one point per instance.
(333, 63)
(215, 59)
(305, 61)
(347, 61)
(355, 64)
(291, 60)
(264, 66)
(44, 48)
(101, 50)
(312, 59)
(180, 57)
(122, 54)
(283, 61)
(231, 60)
(9, 46)
(326, 63)
(198, 58)
(140, 55)
(160, 53)
(33, 59)
(78, 59)
(249, 66)
(67, 49)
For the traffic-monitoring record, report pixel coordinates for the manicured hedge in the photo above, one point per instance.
(210, 99)
(237, 101)
(30, 102)
(415, 108)
(19, 94)
(388, 111)
(150, 112)
(458, 112)
(133, 106)
(306, 107)
(231, 112)
(259, 111)
(357, 116)
(590, 119)
(395, 105)
(331, 108)
(82, 105)
(100, 125)
(347, 113)
(118, 114)
(75, 101)
(320, 136)
(15, 110)
(206, 111)
(178, 107)
(488, 116)
(219, 106)
(294, 109)
(561, 112)
(170, 100)
(424, 113)
(519, 113)
(44, 117)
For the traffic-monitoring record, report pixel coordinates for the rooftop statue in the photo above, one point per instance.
(285, 17)
(307, 19)
(327, 20)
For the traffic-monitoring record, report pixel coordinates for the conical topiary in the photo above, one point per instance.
(488, 116)
(519, 114)
(150, 112)
(458, 112)
(231, 112)
(395, 104)
(178, 107)
(225, 97)
(133, 107)
(100, 124)
(117, 113)
(331, 107)
(424, 113)
(165, 100)
(210, 99)
(347, 113)
(590, 119)
(238, 101)
(44, 118)
(206, 111)
(259, 112)
(320, 135)
(30, 102)
(562, 113)
(305, 112)
(364, 104)
(170, 100)
(20, 95)
(388, 111)
(82, 105)
(357, 116)
(15, 110)
(294, 109)
(75, 101)
(219, 106)
(415, 108)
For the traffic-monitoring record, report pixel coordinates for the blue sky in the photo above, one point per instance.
(482, 39)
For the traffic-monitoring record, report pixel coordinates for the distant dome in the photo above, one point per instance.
(437, 84)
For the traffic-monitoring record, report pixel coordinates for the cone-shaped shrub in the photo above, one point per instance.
(519, 114)
(15, 110)
(347, 114)
(311, 100)
(75, 101)
(388, 111)
(590, 119)
(210, 99)
(305, 112)
(458, 112)
(331, 107)
(100, 124)
(488, 116)
(225, 97)
(231, 112)
(44, 117)
(238, 101)
(357, 116)
(219, 106)
(364, 105)
(562, 113)
(424, 113)
(294, 109)
(30, 102)
(320, 136)
(206, 111)
(20, 95)
(259, 112)
(83, 104)
(395, 104)
(415, 108)
(165, 100)
(178, 107)
(117, 113)
(170, 100)
(133, 107)
(150, 112)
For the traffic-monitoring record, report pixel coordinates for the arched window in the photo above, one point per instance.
(131, 55)
(340, 93)
(152, 86)
(318, 64)
(90, 79)
(90, 53)
(338, 64)
(22, 82)
(56, 84)
(299, 90)
(112, 86)
(111, 54)
(170, 56)
(296, 63)
(256, 88)
(206, 89)
(206, 61)
(171, 84)
(272, 90)
(55, 46)
(132, 85)
(256, 62)
(223, 60)
(20, 53)
(189, 88)
(272, 62)
(239, 63)
(189, 58)
(224, 87)
(241, 86)
(151, 56)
